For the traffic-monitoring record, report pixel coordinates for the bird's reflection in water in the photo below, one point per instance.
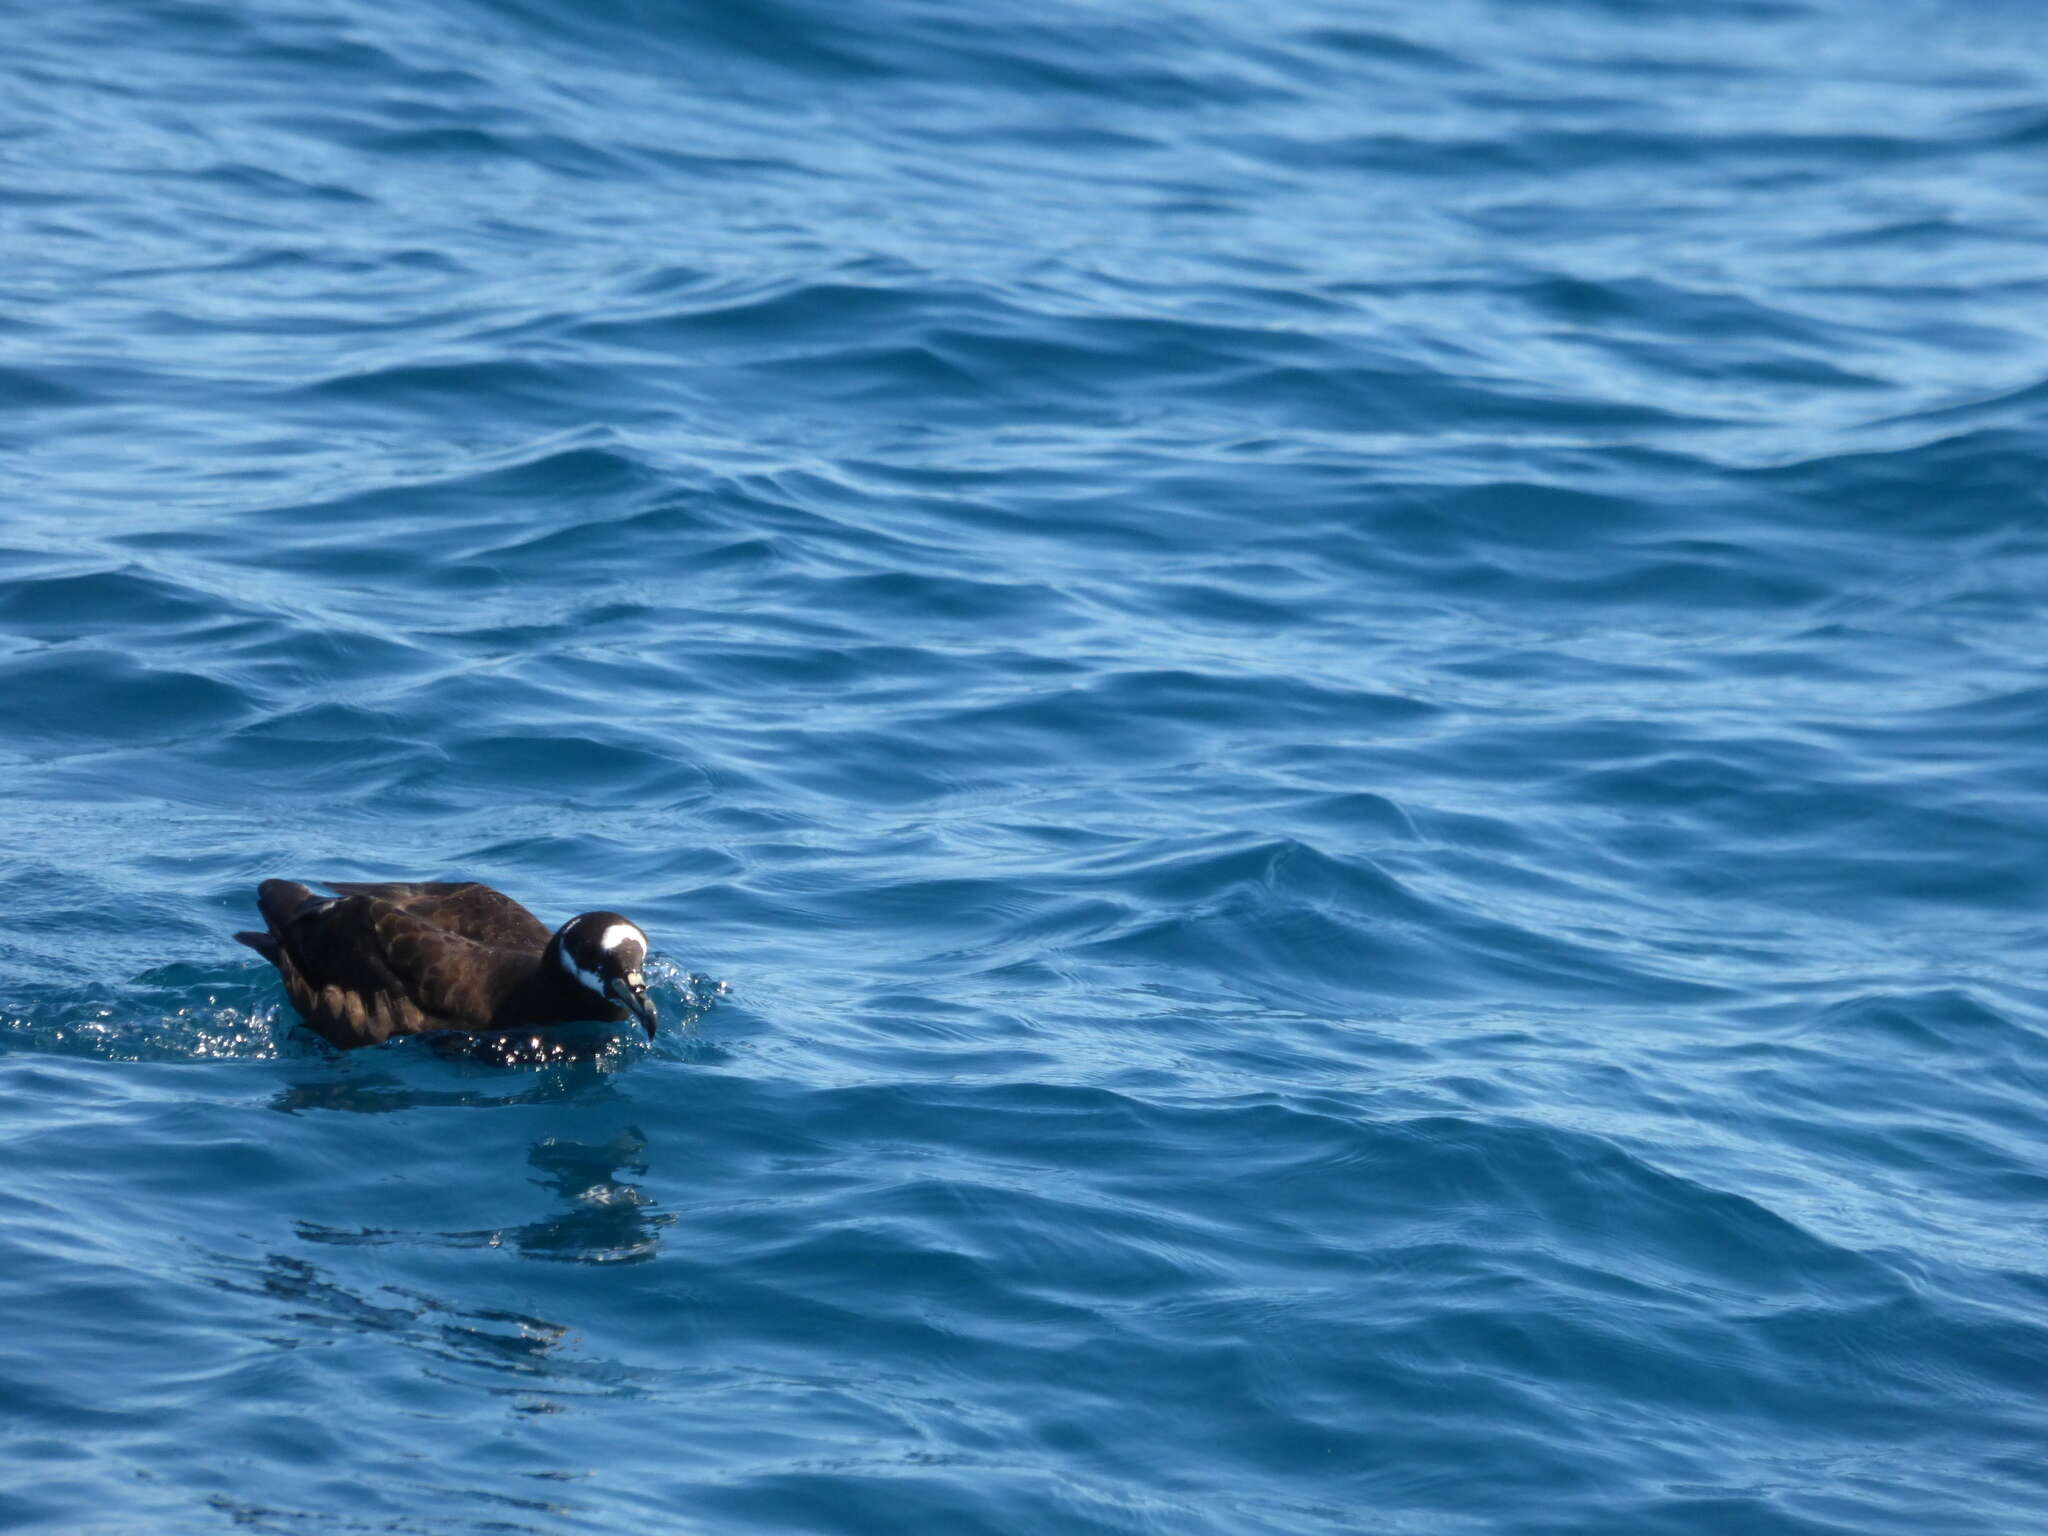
(315, 1300)
(608, 1219)
(379, 1093)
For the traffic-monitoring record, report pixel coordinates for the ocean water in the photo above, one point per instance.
(1331, 716)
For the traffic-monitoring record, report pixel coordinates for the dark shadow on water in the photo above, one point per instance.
(519, 1355)
(308, 1297)
(382, 1092)
(607, 1218)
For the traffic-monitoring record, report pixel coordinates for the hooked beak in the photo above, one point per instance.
(630, 993)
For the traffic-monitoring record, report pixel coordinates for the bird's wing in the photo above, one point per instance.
(461, 907)
(369, 969)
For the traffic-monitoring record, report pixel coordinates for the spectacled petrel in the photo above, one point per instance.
(407, 959)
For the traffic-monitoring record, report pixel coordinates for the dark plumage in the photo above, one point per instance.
(383, 960)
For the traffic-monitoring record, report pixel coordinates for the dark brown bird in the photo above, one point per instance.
(383, 960)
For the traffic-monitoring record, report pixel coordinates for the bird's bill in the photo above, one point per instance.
(630, 993)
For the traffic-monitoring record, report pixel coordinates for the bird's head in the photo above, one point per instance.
(603, 953)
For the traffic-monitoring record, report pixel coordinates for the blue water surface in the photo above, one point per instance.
(1331, 716)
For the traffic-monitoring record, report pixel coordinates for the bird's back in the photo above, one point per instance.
(399, 959)
(464, 907)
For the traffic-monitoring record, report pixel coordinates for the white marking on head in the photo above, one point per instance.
(590, 980)
(623, 933)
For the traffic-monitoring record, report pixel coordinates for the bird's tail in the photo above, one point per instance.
(263, 944)
(280, 901)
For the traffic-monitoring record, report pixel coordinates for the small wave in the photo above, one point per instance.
(185, 1012)
(203, 1031)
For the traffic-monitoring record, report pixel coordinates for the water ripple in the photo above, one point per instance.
(1353, 701)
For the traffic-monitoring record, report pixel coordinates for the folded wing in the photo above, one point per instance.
(361, 967)
(462, 907)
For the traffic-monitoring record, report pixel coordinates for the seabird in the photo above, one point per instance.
(383, 960)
